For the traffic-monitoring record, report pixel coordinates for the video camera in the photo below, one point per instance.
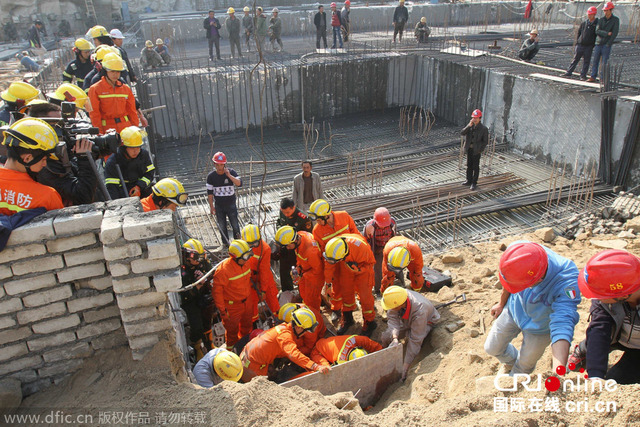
(74, 130)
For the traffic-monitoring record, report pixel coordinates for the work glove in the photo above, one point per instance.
(394, 343)
(321, 368)
(135, 191)
(353, 266)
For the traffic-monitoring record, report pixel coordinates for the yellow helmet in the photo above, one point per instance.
(70, 93)
(319, 208)
(172, 190)
(131, 136)
(286, 235)
(231, 10)
(159, 41)
(98, 31)
(148, 43)
(305, 319)
(20, 91)
(354, 354)
(194, 245)
(32, 134)
(286, 311)
(393, 297)
(398, 258)
(335, 250)
(251, 234)
(240, 249)
(228, 365)
(246, 9)
(36, 101)
(83, 44)
(112, 62)
(103, 50)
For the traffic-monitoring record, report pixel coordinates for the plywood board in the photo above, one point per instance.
(566, 80)
(455, 50)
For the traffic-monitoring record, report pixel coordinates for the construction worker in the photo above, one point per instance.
(218, 365)
(422, 31)
(612, 279)
(197, 302)
(530, 46)
(163, 51)
(400, 253)
(15, 98)
(149, 57)
(168, 193)
(606, 33)
(248, 27)
(29, 142)
(477, 139)
(378, 231)
(342, 348)
(344, 17)
(112, 102)
(261, 28)
(320, 22)
(232, 292)
(221, 188)
(292, 216)
(356, 276)
(400, 18)
(232, 25)
(540, 292)
(309, 271)
(33, 35)
(275, 29)
(585, 41)
(100, 36)
(336, 25)
(212, 27)
(410, 315)
(309, 339)
(81, 66)
(118, 40)
(281, 341)
(264, 286)
(133, 163)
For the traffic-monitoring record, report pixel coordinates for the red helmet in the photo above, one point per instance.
(476, 113)
(522, 265)
(347, 3)
(608, 6)
(592, 10)
(612, 273)
(332, 4)
(219, 158)
(382, 217)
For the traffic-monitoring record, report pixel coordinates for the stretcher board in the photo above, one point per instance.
(455, 50)
(594, 85)
(371, 374)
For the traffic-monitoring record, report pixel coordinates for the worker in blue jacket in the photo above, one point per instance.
(541, 296)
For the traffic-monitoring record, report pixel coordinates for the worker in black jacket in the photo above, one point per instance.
(400, 18)
(585, 42)
(135, 165)
(289, 215)
(477, 139)
(320, 21)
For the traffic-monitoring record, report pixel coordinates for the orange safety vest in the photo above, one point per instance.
(342, 224)
(18, 192)
(231, 283)
(114, 107)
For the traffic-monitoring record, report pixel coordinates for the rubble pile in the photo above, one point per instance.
(622, 219)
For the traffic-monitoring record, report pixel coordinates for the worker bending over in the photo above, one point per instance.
(168, 193)
(217, 365)
(310, 338)
(400, 253)
(342, 348)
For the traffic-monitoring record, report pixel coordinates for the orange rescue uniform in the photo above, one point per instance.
(311, 269)
(114, 107)
(414, 267)
(18, 192)
(260, 264)
(148, 204)
(232, 294)
(336, 349)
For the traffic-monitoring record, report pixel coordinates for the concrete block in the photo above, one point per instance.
(139, 266)
(137, 314)
(20, 364)
(60, 368)
(10, 305)
(5, 272)
(10, 395)
(143, 341)
(161, 248)
(59, 324)
(13, 335)
(98, 328)
(25, 376)
(31, 284)
(77, 223)
(48, 263)
(129, 250)
(118, 269)
(34, 231)
(47, 297)
(148, 225)
(141, 300)
(7, 322)
(114, 339)
(51, 341)
(81, 272)
(111, 229)
(75, 351)
(168, 281)
(71, 243)
(101, 314)
(14, 253)
(122, 286)
(11, 351)
(135, 329)
(122, 206)
(36, 386)
(83, 257)
(87, 303)
(50, 310)
(98, 283)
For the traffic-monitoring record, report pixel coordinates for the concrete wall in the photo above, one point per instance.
(83, 279)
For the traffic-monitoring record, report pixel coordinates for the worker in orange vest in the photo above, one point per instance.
(354, 255)
(232, 292)
(309, 339)
(310, 266)
(168, 193)
(342, 348)
(400, 253)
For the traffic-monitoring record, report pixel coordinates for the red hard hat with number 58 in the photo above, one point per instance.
(608, 6)
(219, 158)
(476, 113)
(522, 265)
(592, 10)
(613, 273)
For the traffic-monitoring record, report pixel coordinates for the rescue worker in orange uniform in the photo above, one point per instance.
(112, 102)
(309, 339)
(261, 275)
(168, 193)
(357, 275)
(342, 348)
(310, 265)
(400, 253)
(280, 341)
(331, 224)
(232, 292)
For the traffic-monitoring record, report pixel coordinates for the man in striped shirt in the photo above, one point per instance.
(221, 184)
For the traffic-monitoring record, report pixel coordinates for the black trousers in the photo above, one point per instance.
(626, 370)
(287, 260)
(473, 166)
(398, 29)
(581, 52)
(215, 41)
(321, 33)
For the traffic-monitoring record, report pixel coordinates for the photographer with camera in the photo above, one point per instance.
(132, 164)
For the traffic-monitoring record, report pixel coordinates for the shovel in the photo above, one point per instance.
(460, 298)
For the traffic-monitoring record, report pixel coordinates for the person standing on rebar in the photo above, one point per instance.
(585, 42)
(232, 25)
(606, 33)
(344, 15)
(34, 34)
(477, 138)
(292, 216)
(118, 41)
(421, 31)
(221, 187)
(149, 57)
(530, 47)
(261, 28)
(275, 29)
(378, 231)
(336, 25)
(163, 51)
(320, 21)
(248, 27)
(212, 26)
(400, 18)
(307, 187)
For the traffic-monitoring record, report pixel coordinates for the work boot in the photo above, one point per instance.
(473, 187)
(347, 322)
(466, 183)
(335, 315)
(368, 327)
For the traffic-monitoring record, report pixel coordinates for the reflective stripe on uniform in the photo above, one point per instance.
(344, 351)
(112, 181)
(304, 259)
(240, 275)
(64, 73)
(150, 168)
(349, 305)
(104, 121)
(14, 208)
(114, 95)
(337, 233)
(145, 180)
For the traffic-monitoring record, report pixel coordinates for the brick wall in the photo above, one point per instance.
(80, 280)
